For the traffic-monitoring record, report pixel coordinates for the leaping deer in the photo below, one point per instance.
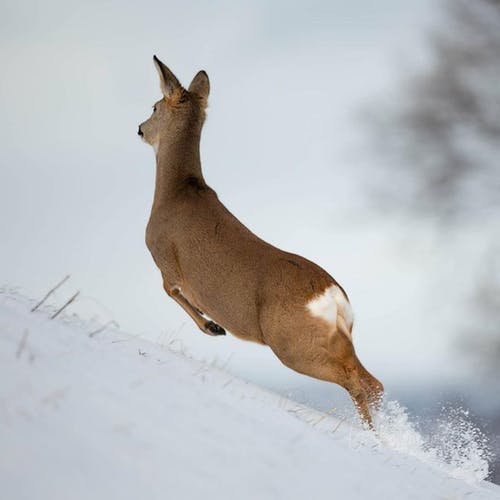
(224, 276)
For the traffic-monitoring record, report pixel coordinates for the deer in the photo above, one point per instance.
(227, 278)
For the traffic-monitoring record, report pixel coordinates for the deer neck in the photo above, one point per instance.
(177, 160)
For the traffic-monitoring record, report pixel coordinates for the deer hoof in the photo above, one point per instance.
(214, 329)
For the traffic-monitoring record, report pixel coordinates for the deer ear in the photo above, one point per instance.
(200, 85)
(168, 81)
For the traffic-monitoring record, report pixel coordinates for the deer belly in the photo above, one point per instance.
(232, 311)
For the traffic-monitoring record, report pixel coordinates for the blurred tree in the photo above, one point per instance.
(441, 133)
(482, 334)
(442, 129)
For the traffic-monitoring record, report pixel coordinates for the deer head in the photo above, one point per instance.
(179, 111)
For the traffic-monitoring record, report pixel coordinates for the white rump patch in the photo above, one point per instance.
(325, 306)
(332, 306)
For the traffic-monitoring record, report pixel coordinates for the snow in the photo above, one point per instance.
(113, 416)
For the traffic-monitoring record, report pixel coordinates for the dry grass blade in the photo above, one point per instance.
(22, 344)
(50, 292)
(103, 327)
(338, 425)
(68, 302)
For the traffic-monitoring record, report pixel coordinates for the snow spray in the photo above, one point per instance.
(454, 444)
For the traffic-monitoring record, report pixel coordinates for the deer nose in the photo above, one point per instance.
(139, 132)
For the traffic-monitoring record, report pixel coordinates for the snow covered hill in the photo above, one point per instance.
(110, 416)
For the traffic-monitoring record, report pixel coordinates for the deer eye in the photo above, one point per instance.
(154, 109)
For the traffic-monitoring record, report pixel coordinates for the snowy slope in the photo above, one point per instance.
(114, 417)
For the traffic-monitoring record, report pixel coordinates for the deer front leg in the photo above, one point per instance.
(206, 326)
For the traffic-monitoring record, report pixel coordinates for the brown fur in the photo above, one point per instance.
(214, 267)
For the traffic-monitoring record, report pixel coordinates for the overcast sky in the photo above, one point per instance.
(288, 80)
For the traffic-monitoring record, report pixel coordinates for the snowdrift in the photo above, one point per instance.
(110, 416)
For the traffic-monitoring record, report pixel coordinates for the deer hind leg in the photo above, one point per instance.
(349, 376)
(332, 308)
(206, 326)
(361, 396)
(331, 357)
(365, 390)
(367, 398)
